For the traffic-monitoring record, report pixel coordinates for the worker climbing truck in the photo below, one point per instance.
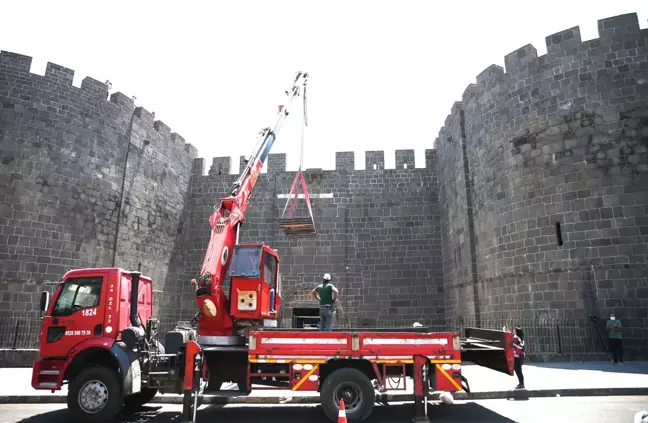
(99, 335)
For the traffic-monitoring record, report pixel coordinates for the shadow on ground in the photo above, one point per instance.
(468, 412)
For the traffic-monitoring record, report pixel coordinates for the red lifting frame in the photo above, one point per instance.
(298, 226)
(299, 175)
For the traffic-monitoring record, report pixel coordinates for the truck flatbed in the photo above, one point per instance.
(474, 339)
(308, 347)
(485, 347)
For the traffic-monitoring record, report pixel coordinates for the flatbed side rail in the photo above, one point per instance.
(406, 329)
(398, 346)
(489, 348)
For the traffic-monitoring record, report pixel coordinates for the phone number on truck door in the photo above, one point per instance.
(77, 332)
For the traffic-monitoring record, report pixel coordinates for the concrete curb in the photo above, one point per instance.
(380, 398)
(543, 393)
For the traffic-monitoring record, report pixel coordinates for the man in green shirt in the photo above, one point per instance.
(613, 328)
(326, 293)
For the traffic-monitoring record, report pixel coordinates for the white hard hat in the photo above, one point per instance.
(327, 276)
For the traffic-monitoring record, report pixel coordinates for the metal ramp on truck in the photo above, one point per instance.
(488, 348)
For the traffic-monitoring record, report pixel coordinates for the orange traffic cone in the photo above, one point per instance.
(342, 414)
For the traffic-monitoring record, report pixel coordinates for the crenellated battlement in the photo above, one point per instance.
(220, 166)
(147, 118)
(612, 28)
(95, 87)
(123, 100)
(405, 159)
(374, 160)
(159, 133)
(20, 65)
(490, 76)
(520, 61)
(60, 74)
(14, 62)
(569, 61)
(564, 42)
(162, 128)
(344, 162)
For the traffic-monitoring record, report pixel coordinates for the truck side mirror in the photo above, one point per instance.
(44, 301)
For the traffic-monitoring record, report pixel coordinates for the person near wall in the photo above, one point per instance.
(518, 354)
(613, 327)
(327, 294)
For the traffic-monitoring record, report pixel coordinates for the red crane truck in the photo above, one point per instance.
(99, 336)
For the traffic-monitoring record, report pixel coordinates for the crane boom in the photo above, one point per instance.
(225, 221)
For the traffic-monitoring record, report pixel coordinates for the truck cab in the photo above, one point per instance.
(255, 282)
(87, 335)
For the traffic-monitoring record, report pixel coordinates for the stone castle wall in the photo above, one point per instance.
(92, 181)
(556, 182)
(533, 203)
(85, 181)
(378, 234)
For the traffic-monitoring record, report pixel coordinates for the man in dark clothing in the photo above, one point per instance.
(326, 293)
(518, 355)
(615, 338)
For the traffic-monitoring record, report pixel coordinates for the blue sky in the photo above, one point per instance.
(383, 75)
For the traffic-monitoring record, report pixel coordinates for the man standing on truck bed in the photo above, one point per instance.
(326, 293)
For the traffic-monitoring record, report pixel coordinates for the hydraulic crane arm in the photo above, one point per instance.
(226, 219)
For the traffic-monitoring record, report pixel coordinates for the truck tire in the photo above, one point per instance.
(135, 401)
(355, 388)
(95, 395)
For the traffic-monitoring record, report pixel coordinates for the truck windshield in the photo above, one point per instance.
(77, 294)
(246, 262)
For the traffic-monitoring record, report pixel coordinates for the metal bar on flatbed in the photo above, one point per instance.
(227, 348)
(350, 330)
(479, 340)
(483, 347)
(479, 344)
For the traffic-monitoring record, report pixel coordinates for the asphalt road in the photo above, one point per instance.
(573, 410)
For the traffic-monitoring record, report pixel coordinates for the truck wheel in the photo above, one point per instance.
(95, 395)
(135, 401)
(354, 388)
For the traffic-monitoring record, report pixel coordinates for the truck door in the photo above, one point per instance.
(77, 314)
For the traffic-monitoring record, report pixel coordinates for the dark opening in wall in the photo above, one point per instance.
(305, 317)
(559, 239)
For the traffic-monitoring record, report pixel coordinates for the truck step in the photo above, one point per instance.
(227, 393)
